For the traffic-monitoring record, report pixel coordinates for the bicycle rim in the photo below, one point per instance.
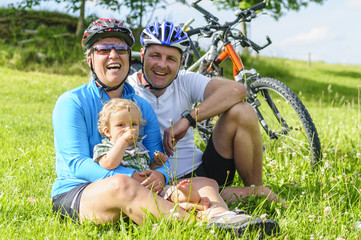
(294, 132)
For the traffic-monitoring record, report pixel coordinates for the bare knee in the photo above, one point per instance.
(242, 113)
(123, 187)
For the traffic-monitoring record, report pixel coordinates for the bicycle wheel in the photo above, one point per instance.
(288, 125)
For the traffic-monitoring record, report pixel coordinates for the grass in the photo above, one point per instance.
(324, 204)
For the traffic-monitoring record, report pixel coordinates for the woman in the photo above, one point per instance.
(83, 189)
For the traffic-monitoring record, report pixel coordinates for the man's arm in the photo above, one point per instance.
(219, 96)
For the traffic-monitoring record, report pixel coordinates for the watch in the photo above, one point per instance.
(189, 117)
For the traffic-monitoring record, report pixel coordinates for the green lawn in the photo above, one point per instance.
(324, 204)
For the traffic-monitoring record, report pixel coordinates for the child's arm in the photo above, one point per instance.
(159, 159)
(113, 158)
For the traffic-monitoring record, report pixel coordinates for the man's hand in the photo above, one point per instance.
(173, 134)
(154, 181)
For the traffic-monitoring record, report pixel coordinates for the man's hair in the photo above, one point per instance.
(113, 106)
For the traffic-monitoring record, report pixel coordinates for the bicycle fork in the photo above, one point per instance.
(252, 99)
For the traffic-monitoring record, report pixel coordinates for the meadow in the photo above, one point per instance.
(321, 204)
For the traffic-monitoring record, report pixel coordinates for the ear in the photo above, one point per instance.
(182, 59)
(142, 54)
(88, 59)
(106, 132)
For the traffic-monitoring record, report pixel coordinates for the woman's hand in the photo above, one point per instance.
(154, 180)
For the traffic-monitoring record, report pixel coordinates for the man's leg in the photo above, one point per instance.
(237, 136)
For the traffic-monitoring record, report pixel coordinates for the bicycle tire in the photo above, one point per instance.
(299, 134)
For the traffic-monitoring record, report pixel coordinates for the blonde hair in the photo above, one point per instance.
(113, 106)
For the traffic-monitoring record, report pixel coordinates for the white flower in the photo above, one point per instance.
(327, 210)
(263, 216)
(176, 215)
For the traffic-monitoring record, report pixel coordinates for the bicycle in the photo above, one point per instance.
(283, 117)
(281, 114)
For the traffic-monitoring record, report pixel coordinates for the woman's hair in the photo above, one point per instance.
(113, 106)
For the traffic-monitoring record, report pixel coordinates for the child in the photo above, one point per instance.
(120, 121)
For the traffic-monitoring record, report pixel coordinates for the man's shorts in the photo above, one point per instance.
(68, 204)
(215, 166)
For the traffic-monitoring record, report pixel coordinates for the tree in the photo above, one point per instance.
(277, 7)
(138, 8)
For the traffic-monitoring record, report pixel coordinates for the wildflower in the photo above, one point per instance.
(358, 155)
(176, 215)
(340, 238)
(320, 237)
(155, 227)
(263, 216)
(327, 210)
(312, 236)
(279, 150)
(310, 218)
(212, 231)
(298, 212)
(294, 154)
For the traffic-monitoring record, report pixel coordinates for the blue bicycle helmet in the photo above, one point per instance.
(165, 34)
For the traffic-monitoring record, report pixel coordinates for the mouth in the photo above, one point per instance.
(115, 66)
(160, 73)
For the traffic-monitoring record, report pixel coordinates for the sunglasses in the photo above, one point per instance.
(106, 48)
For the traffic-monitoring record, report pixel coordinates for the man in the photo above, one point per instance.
(236, 142)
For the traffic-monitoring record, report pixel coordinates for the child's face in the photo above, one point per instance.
(119, 123)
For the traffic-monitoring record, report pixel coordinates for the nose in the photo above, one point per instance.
(162, 62)
(113, 53)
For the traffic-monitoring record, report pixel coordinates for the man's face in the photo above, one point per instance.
(161, 64)
(110, 67)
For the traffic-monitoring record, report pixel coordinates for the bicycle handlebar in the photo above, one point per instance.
(242, 15)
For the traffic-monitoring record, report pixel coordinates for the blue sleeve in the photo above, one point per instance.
(75, 134)
(153, 141)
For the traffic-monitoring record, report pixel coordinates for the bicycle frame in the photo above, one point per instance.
(229, 51)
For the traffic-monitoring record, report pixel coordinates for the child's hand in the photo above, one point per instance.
(160, 158)
(128, 136)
